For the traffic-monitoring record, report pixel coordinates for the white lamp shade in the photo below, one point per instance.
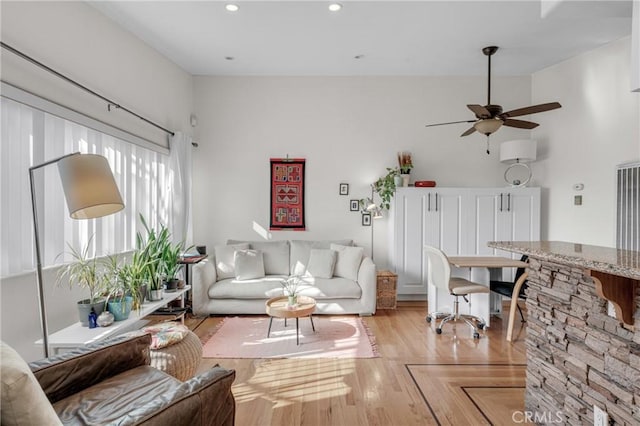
(520, 150)
(89, 186)
(488, 126)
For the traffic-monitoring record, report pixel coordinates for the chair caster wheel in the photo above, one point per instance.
(481, 326)
(428, 319)
(438, 330)
(476, 335)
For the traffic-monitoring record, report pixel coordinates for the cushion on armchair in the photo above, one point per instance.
(23, 400)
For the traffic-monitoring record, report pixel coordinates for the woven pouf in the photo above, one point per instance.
(181, 360)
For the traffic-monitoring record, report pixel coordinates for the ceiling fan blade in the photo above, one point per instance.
(479, 111)
(520, 124)
(468, 132)
(531, 109)
(451, 122)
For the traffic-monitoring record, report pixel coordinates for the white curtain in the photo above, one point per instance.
(30, 136)
(180, 165)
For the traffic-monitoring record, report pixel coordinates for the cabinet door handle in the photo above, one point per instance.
(500, 201)
(509, 202)
(436, 195)
(429, 202)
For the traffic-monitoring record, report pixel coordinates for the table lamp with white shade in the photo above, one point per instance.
(518, 153)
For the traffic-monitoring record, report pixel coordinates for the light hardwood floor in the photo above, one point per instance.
(420, 378)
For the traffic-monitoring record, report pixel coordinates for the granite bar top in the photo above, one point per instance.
(624, 263)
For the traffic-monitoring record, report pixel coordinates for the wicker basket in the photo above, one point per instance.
(181, 360)
(387, 283)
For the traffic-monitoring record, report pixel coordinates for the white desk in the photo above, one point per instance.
(479, 269)
(76, 335)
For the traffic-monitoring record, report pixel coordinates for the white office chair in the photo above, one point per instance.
(440, 276)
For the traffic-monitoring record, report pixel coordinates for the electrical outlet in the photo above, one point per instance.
(600, 417)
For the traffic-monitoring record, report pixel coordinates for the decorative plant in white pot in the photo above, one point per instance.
(85, 271)
(291, 287)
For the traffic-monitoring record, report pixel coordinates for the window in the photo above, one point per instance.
(31, 136)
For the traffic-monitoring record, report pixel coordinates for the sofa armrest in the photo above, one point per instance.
(204, 274)
(203, 400)
(368, 283)
(67, 374)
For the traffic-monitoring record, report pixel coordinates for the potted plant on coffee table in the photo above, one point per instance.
(87, 272)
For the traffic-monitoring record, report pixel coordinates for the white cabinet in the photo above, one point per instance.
(423, 216)
(459, 221)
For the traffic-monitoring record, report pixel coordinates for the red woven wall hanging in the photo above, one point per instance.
(287, 194)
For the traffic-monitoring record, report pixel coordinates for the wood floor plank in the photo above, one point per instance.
(389, 390)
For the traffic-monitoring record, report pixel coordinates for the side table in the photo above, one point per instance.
(387, 283)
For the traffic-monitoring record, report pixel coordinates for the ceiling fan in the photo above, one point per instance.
(490, 118)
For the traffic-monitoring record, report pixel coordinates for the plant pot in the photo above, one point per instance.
(142, 293)
(397, 180)
(154, 295)
(292, 300)
(171, 285)
(84, 309)
(405, 179)
(121, 309)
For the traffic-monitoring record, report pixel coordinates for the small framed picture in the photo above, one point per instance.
(366, 219)
(344, 189)
(354, 205)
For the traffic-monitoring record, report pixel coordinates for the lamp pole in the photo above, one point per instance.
(43, 312)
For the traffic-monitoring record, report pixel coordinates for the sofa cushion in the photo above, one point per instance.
(225, 259)
(332, 288)
(321, 263)
(261, 288)
(348, 261)
(301, 250)
(23, 401)
(249, 264)
(275, 255)
(268, 287)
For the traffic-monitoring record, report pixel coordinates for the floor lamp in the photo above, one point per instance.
(370, 207)
(90, 191)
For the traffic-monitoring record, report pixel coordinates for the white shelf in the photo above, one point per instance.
(76, 335)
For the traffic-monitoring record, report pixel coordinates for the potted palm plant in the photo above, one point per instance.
(87, 272)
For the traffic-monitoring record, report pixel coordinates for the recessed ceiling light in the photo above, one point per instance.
(334, 7)
(231, 7)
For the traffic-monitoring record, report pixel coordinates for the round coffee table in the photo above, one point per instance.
(278, 307)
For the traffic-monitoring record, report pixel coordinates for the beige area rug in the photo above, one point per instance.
(335, 337)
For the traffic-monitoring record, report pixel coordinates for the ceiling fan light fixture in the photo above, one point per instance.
(488, 125)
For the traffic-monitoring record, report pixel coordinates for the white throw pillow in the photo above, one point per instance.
(23, 400)
(225, 262)
(249, 264)
(348, 261)
(321, 263)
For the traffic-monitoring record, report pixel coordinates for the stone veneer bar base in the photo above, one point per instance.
(577, 355)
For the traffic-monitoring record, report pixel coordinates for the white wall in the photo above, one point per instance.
(349, 129)
(78, 41)
(597, 128)
(75, 39)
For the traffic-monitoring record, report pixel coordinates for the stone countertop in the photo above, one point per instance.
(624, 263)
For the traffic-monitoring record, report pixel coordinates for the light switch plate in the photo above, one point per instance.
(600, 417)
(577, 200)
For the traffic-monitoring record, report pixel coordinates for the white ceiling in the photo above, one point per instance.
(395, 37)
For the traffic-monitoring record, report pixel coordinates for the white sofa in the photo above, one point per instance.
(351, 289)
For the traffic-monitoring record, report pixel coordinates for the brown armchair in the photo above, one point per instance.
(112, 383)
